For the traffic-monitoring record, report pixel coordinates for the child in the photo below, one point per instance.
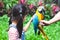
(16, 30)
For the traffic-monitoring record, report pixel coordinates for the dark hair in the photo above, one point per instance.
(18, 12)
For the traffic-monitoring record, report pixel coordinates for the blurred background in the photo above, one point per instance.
(52, 31)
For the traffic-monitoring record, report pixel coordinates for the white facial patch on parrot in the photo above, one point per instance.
(40, 8)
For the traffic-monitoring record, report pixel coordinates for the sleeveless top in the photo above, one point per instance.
(13, 33)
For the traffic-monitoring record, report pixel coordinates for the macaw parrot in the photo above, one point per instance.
(37, 17)
(35, 23)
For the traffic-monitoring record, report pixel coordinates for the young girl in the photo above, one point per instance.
(17, 16)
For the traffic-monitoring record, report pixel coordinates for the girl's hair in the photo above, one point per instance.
(18, 12)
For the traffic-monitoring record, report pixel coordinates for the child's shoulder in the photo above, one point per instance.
(12, 25)
(13, 28)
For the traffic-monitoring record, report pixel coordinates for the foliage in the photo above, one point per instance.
(9, 3)
(48, 1)
(35, 2)
(3, 27)
(52, 31)
(48, 11)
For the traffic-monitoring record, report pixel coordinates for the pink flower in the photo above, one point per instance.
(31, 6)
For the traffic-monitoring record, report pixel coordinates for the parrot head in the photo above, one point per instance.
(40, 13)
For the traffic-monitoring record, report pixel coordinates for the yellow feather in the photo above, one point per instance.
(40, 15)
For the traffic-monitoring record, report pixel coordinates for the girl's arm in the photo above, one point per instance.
(28, 24)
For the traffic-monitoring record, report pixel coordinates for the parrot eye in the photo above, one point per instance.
(40, 11)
